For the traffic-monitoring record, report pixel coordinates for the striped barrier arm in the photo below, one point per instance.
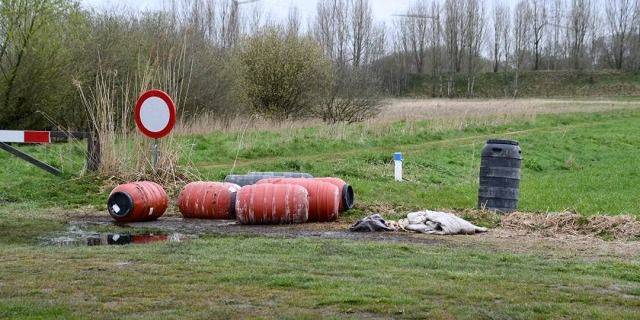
(42, 137)
(26, 136)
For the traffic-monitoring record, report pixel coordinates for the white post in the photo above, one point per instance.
(398, 159)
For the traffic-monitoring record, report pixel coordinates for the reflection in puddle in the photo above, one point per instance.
(77, 237)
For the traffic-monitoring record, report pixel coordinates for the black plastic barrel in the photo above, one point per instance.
(500, 176)
(252, 178)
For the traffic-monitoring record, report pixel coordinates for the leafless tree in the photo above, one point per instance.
(435, 43)
(453, 29)
(331, 29)
(539, 19)
(257, 20)
(521, 31)
(506, 38)
(555, 45)
(361, 29)
(581, 18)
(473, 35)
(620, 15)
(500, 22)
(293, 22)
(636, 35)
(413, 30)
(346, 32)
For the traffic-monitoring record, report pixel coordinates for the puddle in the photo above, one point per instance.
(75, 236)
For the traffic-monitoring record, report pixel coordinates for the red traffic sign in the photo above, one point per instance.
(155, 114)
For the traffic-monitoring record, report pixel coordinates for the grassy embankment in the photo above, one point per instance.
(582, 162)
(538, 84)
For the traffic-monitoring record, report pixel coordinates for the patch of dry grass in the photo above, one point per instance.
(444, 114)
(408, 109)
(623, 227)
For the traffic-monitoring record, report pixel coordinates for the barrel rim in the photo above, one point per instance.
(503, 141)
(348, 197)
(112, 200)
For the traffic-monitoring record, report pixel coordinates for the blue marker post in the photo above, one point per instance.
(398, 159)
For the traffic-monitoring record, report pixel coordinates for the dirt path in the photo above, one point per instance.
(498, 239)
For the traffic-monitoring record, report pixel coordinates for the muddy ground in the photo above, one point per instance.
(498, 239)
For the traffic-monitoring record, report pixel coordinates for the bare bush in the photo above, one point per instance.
(354, 97)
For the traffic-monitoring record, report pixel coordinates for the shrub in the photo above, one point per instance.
(284, 76)
(354, 96)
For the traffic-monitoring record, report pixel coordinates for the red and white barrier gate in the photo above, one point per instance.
(30, 136)
(15, 136)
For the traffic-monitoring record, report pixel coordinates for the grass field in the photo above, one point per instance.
(581, 158)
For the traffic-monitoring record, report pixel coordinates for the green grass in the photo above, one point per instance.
(581, 162)
(223, 277)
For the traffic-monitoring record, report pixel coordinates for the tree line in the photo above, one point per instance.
(225, 58)
(463, 37)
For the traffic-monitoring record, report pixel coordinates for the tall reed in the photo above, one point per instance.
(109, 103)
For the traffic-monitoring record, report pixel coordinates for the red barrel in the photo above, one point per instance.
(208, 200)
(272, 204)
(137, 201)
(324, 197)
(346, 191)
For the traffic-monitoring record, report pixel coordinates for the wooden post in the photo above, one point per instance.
(93, 151)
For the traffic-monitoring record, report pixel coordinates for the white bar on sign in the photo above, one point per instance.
(11, 136)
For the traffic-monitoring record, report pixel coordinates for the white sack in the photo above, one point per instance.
(441, 223)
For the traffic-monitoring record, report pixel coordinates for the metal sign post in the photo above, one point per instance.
(154, 160)
(155, 116)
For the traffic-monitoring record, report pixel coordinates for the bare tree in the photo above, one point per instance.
(331, 29)
(377, 48)
(453, 28)
(473, 34)
(500, 22)
(555, 43)
(435, 43)
(258, 20)
(620, 15)
(636, 33)
(506, 38)
(413, 26)
(293, 22)
(345, 29)
(346, 33)
(539, 19)
(521, 31)
(580, 20)
(361, 29)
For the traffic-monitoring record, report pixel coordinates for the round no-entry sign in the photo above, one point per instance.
(155, 114)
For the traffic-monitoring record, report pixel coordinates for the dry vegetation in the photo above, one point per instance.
(427, 109)
(445, 114)
(623, 227)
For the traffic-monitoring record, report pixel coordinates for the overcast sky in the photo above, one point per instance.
(278, 9)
